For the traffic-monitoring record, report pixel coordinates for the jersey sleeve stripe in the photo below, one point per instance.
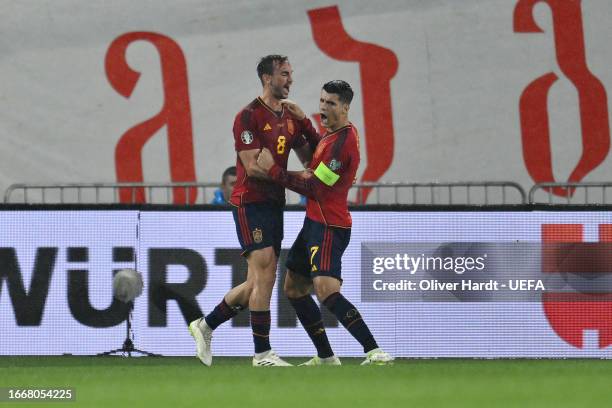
(339, 143)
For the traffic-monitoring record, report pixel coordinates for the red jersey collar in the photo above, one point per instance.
(265, 105)
(337, 130)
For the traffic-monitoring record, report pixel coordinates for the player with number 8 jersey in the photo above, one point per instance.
(258, 204)
(258, 126)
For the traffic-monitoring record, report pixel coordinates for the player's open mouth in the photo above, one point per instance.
(323, 116)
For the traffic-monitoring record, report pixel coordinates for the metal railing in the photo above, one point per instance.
(110, 193)
(583, 193)
(455, 193)
(459, 193)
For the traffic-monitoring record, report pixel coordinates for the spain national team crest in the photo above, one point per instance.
(257, 236)
(290, 127)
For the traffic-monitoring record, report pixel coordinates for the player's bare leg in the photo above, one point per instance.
(328, 292)
(240, 295)
(262, 264)
(296, 285)
(297, 289)
(232, 303)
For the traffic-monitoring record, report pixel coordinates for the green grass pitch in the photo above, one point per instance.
(232, 382)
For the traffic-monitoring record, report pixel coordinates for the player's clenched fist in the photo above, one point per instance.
(265, 159)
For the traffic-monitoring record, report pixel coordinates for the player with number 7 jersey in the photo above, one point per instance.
(314, 261)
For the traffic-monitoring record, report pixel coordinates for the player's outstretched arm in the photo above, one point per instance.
(304, 153)
(249, 161)
(302, 182)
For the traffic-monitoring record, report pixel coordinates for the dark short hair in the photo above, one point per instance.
(230, 171)
(266, 64)
(340, 88)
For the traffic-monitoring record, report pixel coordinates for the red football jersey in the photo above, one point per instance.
(258, 126)
(335, 163)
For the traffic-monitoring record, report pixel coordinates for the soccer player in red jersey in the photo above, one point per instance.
(258, 206)
(315, 258)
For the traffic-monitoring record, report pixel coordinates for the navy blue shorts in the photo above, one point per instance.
(259, 225)
(318, 250)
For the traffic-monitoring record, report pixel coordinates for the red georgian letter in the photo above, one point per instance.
(175, 115)
(571, 57)
(377, 66)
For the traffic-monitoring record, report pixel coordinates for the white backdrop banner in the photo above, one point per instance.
(445, 90)
(56, 271)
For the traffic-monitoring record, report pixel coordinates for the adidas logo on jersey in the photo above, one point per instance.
(267, 127)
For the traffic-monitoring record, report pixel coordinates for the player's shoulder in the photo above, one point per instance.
(352, 132)
(247, 114)
(347, 135)
(352, 139)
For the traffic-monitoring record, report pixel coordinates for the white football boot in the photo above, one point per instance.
(269, 359)
(318, 361)
(202, 334)
(378, 357)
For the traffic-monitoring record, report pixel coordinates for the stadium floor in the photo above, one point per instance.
(231, 382)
